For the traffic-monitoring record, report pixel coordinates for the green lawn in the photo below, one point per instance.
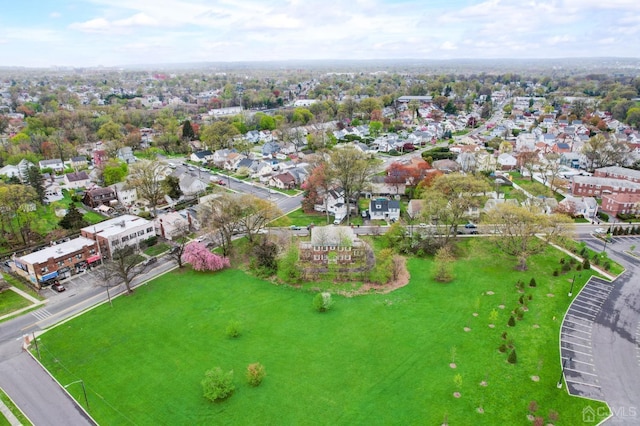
(374, 359)
(157, 249)
(11, 301)
(14, 281)
(300, 218)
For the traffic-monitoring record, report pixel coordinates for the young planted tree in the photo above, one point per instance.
(202, 259)
(217, 384)
(444, 265)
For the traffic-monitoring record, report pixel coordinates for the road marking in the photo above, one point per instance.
(578, 344)
(580, 372)
(581, 383)
(41, 314)
(577, 352)
(574, 330)
(581, 362)
(570, 336)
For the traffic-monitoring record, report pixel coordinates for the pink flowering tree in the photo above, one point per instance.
(202, 259)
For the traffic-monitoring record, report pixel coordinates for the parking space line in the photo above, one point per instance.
(582, 383)
(578, 344)
(576, 351)
(577, 324)
(569, 314)
(581, 362)
(571, 336)
(583, 304)
(573, 330)
(580, 372)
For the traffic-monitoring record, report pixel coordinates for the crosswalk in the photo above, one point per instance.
(41, 314)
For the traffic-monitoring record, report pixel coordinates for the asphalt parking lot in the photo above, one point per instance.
(576, 340)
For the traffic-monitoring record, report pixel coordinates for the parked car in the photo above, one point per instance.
(221, 182)
(58, 287)
(600, 231)
(364, 213)
(470, 226)
(150, 261)
(295, 228)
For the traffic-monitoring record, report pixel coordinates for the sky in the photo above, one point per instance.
(41, 33)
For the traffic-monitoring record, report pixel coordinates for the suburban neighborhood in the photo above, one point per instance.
(438, 213)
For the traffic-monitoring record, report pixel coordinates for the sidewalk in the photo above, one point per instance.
(34, 303)
(13, 420)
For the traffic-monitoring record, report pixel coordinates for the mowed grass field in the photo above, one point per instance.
(372, 359)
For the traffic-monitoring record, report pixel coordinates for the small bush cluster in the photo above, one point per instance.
(217, 385)
(234, 328)
(322, 302)
(255, 374)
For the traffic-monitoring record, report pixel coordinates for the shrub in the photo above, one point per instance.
(502, 348)
(586, 264)
(579, 267)
(562, 260)
(532, 283)
(555, 273)
(533, 407)
(572, 260)
(322, 302)
(553, 416)
(607, 266)
(234, 328)
(566, 267)
(511, 322)
(255, 374)
(217, 384)
(512, 358)
(504, 335)
(530, 297)
(521, 300)
(151, 241)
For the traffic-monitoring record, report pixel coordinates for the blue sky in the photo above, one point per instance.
(121, 32)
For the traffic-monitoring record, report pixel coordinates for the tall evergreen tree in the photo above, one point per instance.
(34, 179)
(73, 219)
(187, 131)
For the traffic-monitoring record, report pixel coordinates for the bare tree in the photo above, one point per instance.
(124, 266)
(522, 232)
(147, 177)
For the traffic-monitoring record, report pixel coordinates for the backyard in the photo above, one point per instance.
(394, 358)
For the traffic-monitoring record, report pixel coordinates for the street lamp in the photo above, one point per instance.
(86, 401)
(564, 364)
(573, 281)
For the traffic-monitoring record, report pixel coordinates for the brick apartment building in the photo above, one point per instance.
(593, 186)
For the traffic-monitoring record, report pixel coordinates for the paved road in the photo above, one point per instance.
(615, 335)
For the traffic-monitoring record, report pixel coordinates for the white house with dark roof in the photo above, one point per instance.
(384, 209)
(202, 156)
(76, 180)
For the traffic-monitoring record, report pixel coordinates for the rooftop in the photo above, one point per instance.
(59, 250)
(117, 225)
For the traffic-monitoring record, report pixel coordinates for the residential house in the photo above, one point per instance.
(233, 158)
(446, 166)
(384, 209)
(615, 204)
(327, 201)
(593, 186)
(507, 161)
(261, 168)
(220, 157)
(192, 183)
(24, 166)
(100, 157)
(283, 181)
(126, 154)
(57, 262)
(171, 225)
(76, 180)
(270, 148)
(561, 148)
(52, 191)
(126, 196)
(100, 196)
(378, 187)
(55, 164)
(202, 156)
(586, 207)
(79, 162)
(116, 233)
(246, 163)
(332, 244)
(11, 171)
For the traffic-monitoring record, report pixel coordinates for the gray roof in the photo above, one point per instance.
(620, 171)
(332, 236)
(384, 205)
(117, 225)
(59, 250)
(616, 183)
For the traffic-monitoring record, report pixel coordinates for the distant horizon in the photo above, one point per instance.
(123, 33)
(385, 62)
